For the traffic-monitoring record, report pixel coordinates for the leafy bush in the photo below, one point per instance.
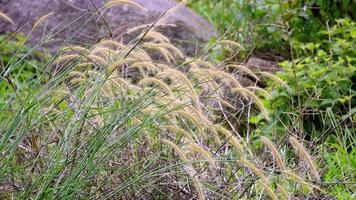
(266, 26)
(321, 104)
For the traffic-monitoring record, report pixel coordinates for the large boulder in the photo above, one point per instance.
(78, 22)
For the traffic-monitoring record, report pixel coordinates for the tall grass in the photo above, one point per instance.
(109, 121)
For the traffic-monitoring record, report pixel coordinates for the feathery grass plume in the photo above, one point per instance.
(223, 102)
(191, 118)
(229, 136)
(254, 169)
(275, 78)
(60, 93)
(243, 69)
(141, 55)
(180, 76)
(42, 19)
(269, 144)
(283, 193)
(173, 49)
(191, 171)
(305, 156)
(268, 189)
(225, 75)
(300, 180)
(75, 49)
(118, 62)
(120, 82)
(260, 90)
(83, 65)
(76, 81)
(200, 62)
(153, 46)
(76, 73)
(202, 118)
(198, 149)
(230, 43)
(154, 35)
(97, 60)
(6, 18)
(255, 99)
(157, 82)
(178, 130)
(111, 44)
(104, 51)
(67, 58)
(147, 65)
(113, 3)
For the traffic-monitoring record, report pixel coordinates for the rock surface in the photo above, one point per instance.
(78, 22)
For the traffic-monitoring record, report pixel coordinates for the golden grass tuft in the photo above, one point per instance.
(257, 101)
(154, 35)
(180, 76)
(230, 137)
(157, 82)
(191, 118)
(243, 69)
(305, 156)
(204, 153)
(277, 156)
(254, 169)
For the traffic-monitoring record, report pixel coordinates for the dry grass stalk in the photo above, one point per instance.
(243, 69)
(275, 78)
(191, 118)
(277, 156)
(178, 130)
(305, 156)
(196, 148)
(254, 169)
(42, 19)
(260, 90)
(255, 99)
(180, 76)
(154, 35)
(230, 43)
(283, 193)
(269, 190)
(231, 138)
(300, 180)
(6, 18)
(157, 82)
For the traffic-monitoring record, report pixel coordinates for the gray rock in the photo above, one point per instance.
(78, 22)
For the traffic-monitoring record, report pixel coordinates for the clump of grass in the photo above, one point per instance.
(103, 115)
